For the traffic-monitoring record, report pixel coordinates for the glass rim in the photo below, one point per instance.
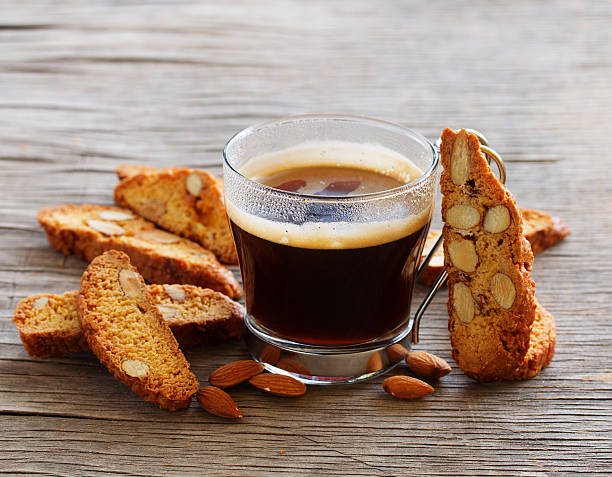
(410, 133)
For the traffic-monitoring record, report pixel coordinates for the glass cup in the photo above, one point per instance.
(328, 280)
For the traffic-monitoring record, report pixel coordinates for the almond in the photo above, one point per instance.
(235, 373)
(497, 219)
(427, 365)
(503, 290)
(405, 387)
(130, 283)
(293, 366)
(463, 302)
(158, 236)
(374, 363)
(218, 402)
(135, 368)
(175, 292)
(396, 353)
(107, 228)
(270, 354)
(463, 255)
(194, 183)
(167, 312)
(460, 160)
(278, 384)
(462, 216)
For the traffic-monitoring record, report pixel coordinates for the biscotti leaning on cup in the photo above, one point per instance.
(127, 333)
(188, 202)
(49, 325)
(162, 257)
(498, 330)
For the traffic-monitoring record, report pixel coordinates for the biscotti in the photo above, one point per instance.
(49, 326)
(540, 229)
(162, 257)
(491, 302)
(188, 202)
(128, 170)
(542, 340)
(127, 333)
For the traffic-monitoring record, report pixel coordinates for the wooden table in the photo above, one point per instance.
(86, 86)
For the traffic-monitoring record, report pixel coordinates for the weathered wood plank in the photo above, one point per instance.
(86, 86)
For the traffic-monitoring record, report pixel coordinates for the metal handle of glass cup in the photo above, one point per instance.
(489, 154)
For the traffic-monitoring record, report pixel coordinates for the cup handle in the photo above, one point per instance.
(489, 154)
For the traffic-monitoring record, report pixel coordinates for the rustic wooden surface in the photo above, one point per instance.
(85, 86)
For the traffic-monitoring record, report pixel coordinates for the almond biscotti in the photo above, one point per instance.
(162, 257)
(540, 229)
(127, 333)
(491, 294)
(49, 326)
(541, 349)
(188, 202)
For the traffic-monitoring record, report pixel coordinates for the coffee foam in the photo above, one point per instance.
(372, 157)
(331, 235)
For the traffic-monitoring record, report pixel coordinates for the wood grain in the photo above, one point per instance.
(86, 86)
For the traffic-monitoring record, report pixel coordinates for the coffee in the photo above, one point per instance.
(323, 278)
(330, 181)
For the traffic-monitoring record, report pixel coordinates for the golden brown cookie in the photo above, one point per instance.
(541, 345)
(128, 170)
(162, 257)
(540, 229)
(127, 333)
(49, 326)
(491, 294)
(188, 202)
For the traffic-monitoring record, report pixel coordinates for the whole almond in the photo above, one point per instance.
(270, 355)
(374, 363)
(405, 387)
(278, 384)
(396, 353)
(427, 365)
(293, 366)
(234, 373)
(218, 402)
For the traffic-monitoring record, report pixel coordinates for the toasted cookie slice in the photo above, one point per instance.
(188, 202)
(432, 271)
(198, 315)
(540, 229)
(49, 326)
(128, 170)
(541, 345)
(127, 333)
(162, 257)
(491, 294)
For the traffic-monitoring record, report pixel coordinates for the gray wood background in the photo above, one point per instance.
(85, 86)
